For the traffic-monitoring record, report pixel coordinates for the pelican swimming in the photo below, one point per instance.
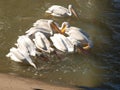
(42, 42)
(60, 11)
(45, 26)
(79, 37)
(16, 55)
(42, 25)
(26, 45)
(62, 43)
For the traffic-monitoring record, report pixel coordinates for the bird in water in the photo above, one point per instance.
(42, 43)
(17, 55)
(79, 38)
(60, 11)
(25, 48)
(26, 45)
(45, 26)
(62, 43)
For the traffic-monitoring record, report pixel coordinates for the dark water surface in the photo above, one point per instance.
(100, 69)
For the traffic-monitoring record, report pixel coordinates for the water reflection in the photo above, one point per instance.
(100, 19)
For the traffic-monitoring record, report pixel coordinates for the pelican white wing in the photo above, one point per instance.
(60, 11)
(25, 44)
(76, 33)
(79, 37)
(62, 43)
(41, 23)
(42, 42)
(68, 43)
(15, 55)
(57, 10)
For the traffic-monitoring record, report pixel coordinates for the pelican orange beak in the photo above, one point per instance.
(86, 47)
(55, 27)
(63, 29)
(73, 11)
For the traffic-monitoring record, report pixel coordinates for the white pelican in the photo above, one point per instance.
(16, 55)
(42, 42)
(47, 27)
(60, 11)
(26, 45)
(78, 37)
(42, 25)
(62, 43)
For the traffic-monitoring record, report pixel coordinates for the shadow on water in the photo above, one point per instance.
(95, 71)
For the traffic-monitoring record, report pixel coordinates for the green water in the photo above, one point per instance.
(97, 69)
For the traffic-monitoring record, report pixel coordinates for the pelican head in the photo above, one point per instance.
(64, 26)
(71, 10)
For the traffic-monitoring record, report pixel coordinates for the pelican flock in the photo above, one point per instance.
(46, 36)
